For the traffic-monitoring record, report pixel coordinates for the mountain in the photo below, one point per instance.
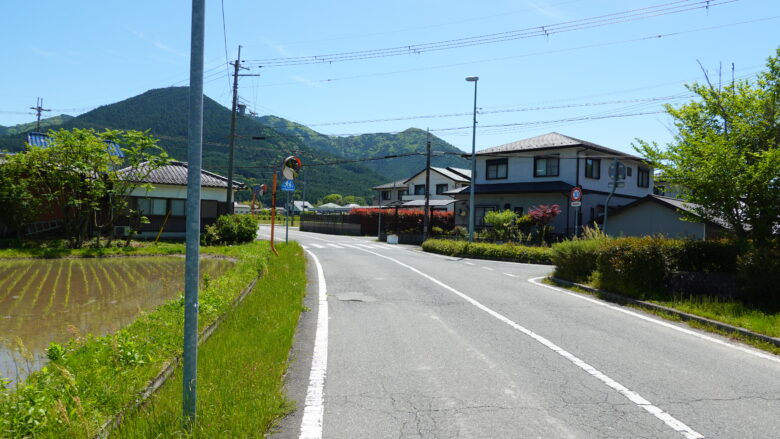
(46, 124)
(164, 113)
(363, 146)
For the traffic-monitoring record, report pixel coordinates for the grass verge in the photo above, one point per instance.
(137, 248)
(240, 368)
(722, 310)
(91, 378)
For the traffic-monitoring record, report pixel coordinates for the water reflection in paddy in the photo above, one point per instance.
(52, 300)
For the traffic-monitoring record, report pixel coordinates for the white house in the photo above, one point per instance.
(542, 170)
(410, 193)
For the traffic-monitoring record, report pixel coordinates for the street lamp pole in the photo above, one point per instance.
(473, 79)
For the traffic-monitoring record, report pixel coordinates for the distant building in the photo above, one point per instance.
(410, 193)
(659, 215)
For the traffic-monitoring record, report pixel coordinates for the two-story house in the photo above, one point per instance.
(410, 193)
(542, 170)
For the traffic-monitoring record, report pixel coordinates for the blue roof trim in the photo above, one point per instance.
(44, 141)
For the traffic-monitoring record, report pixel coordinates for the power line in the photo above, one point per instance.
(537, 31)
(224, 37)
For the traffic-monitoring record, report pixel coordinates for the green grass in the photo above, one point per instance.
(296, 220)
(731, 312)
(137, 248)
(240, 368)
(95, 377)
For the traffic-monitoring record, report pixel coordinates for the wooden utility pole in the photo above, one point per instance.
(38, 109)
(236, 66)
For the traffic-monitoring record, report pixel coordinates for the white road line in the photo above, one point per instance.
(380, 247)
(305, 247)
(317, 246)
(536, 281)
(511, 275)
(313, 411)
(632, 396)
(468, 263)
(486, 268)
(335, 245)
(364, 245)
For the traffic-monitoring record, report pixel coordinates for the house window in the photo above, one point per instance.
(152, 206)
(495, 169)
(177, 207)
(628, 171)
(385, 195)
(441, 188)
(643, 177)
(546, 166)
(419, 189)
(401, 193)
(479, 214)
(593, 168)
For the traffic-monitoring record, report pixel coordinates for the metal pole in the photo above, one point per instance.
(192, 255)
(287, 220)
(273, 214)
(230, 208)
(427, 211)
(379, 225)
(473, 79)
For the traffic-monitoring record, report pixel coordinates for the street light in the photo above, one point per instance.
(473, 79)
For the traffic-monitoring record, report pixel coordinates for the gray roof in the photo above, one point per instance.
(550, 141)
(175, 173)
(421, 203)
(671, 203)
(515, 188)
(459, 175)
(391, 185)
(301, 204)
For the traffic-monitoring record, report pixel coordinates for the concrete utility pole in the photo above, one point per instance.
(192, 255)
(38, 109)
(427, 211)
(236, 67)
(472, 201)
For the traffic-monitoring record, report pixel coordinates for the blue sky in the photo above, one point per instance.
(82, 54)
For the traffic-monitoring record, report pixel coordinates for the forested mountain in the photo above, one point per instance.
(164, 113)
(376, 145)
(46, 124)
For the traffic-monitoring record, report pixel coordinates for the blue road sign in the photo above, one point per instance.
(288, 186)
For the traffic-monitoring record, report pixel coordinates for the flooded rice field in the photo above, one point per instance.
(52, 300)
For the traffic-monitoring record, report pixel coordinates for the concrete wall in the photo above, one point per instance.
(176, 191)
(650, 219)
(436, 178)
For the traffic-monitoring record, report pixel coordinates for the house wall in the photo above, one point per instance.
(176, 191)
(436, 178)
(650, 219)
(520, 169)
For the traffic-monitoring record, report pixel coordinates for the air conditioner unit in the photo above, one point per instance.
(121, 230)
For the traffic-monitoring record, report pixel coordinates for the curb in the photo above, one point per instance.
(168, 368)
(623, 300)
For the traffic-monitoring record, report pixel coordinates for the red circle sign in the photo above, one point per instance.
(576, 194)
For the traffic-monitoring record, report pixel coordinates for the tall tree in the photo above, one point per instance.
(725, 153)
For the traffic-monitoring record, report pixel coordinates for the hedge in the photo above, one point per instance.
(576, 260)
(504, 252)
(637, 267)
(409, 220)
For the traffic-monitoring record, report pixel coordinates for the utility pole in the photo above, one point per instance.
(236, 66)
(427, 212)
(192, 254)
(38, 109)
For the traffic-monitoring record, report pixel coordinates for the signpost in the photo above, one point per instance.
(288, 186)
(575, 197)
(291, 166)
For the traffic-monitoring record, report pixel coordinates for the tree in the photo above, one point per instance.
(333, 198)
(77, 180)
(352, 199)
(725, 153)
(542, 215)
(502, 225)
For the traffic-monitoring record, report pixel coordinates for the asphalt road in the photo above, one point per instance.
(408, 344)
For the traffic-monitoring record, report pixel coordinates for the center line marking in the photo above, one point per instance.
(313, 411)
(632, 396)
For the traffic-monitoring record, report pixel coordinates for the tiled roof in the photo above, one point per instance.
(175, 173)
(454, 174)
(392, 185)
(550, 141)
(671, 203)
(44, 141)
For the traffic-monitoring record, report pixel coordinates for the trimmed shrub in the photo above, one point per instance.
(702, 256)
(408, 220)
(502, 225)
(759, 272)
(636, 267)
(231, 229)
(501, 252)
(576, 260)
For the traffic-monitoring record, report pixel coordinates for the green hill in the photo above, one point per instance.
(375, 145)
(46, 124)
(164, 113)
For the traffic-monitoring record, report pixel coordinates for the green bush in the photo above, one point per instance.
(759, 272)
(503, 252)
(502, 225)
(636, 267)
(702, 256)
(575, 260)
(231, 229)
